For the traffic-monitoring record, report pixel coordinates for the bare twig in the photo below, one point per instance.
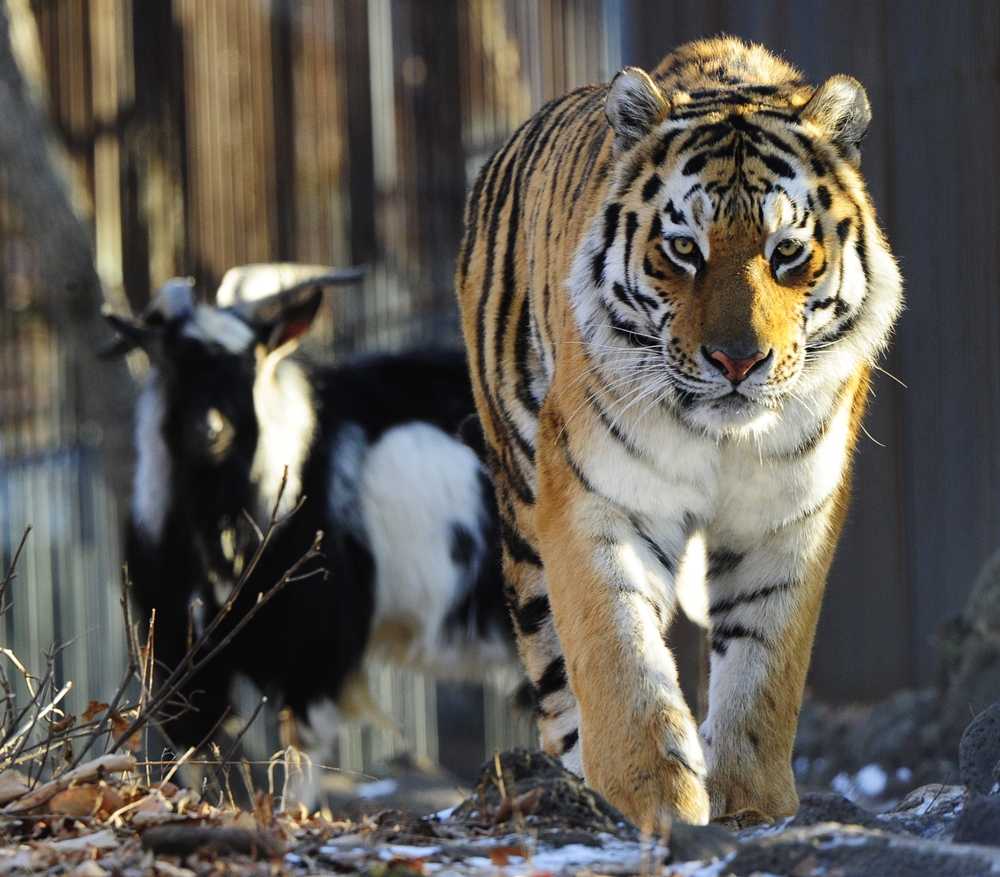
(239, 737)
(191, 664)
(11, 571)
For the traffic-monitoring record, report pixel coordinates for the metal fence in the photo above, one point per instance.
(200, 135)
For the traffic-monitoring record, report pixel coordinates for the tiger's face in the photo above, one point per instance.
(726, 261)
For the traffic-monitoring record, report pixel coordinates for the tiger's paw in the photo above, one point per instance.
(653, 776)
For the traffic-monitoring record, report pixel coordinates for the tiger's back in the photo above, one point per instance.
(673, 289)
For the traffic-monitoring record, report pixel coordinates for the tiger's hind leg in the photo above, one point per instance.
(556, 709)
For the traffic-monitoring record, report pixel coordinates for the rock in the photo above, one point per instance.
(979, 821)
(563, 798)
(979, 752)
(851, 851)
(819, 807)
(928, 812)
(704, 843)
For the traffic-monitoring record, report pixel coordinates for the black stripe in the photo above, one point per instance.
(722, 634)
(531, 616)
(611, 215)
(722, 561)
(651, 187)
(843, 227)
(862, 249)
(621, 295)
(650, 271)
(522, 359)
(518, 548)
(570, 740)
(823, 193)
(554, 679)
(761, 593)
(611, 426)
(668, 563)
(631, 224)
(471, 225)
(655, 228)
(694, 165)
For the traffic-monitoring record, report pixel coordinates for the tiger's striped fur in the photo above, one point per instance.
(673, 288)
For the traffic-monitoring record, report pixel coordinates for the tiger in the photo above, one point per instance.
(673, 290)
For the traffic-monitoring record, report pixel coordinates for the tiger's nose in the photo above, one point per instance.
(736, 370)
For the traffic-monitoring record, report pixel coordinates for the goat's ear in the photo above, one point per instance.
(132, 333)
(174, 300)
(296, 313)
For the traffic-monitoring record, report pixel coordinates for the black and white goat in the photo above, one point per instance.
(371, 452)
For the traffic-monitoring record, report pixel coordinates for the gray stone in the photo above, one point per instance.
(850, 851)
(704, 843)
(819, 807)
(979, 752)
(979, 821)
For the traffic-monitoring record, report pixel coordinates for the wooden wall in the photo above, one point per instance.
(926, 509)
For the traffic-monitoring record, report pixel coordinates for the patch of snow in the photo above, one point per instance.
(612, 853)
(871, 780)
(443, 814)
(904, 774)
(406, 851)
(700, 869)
(377, 789)
(842, 783)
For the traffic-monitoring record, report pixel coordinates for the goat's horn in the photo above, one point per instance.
(243, 287)
(175, 298)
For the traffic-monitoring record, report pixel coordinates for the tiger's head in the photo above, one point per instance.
(735, 262)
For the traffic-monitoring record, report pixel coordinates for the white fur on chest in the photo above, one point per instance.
(151, 493)
(739, 489)
(287, 422)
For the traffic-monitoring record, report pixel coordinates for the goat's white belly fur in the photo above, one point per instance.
(416, 486)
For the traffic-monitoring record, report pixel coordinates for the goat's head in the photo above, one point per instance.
(207, 358)
(200, 424)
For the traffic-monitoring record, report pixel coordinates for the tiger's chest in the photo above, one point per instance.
(737, 491)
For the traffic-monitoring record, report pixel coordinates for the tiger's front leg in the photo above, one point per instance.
(764, 606)
(612, 599)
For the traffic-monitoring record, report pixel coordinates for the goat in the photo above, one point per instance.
(368, 454)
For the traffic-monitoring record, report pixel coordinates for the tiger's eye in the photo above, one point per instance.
(787, 249)
(684, 247)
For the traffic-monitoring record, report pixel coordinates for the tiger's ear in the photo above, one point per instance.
(840, 109)
(634, 106)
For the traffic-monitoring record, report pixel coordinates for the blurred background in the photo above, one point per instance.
(146, 139)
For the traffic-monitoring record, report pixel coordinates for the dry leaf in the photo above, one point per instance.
(119, 725)
(79, 801)
(154, 802)
(93, 709)
(522, 805)
(12, 786)
(63, 724)
(165, 869)
(88, 868)
(503, 854)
